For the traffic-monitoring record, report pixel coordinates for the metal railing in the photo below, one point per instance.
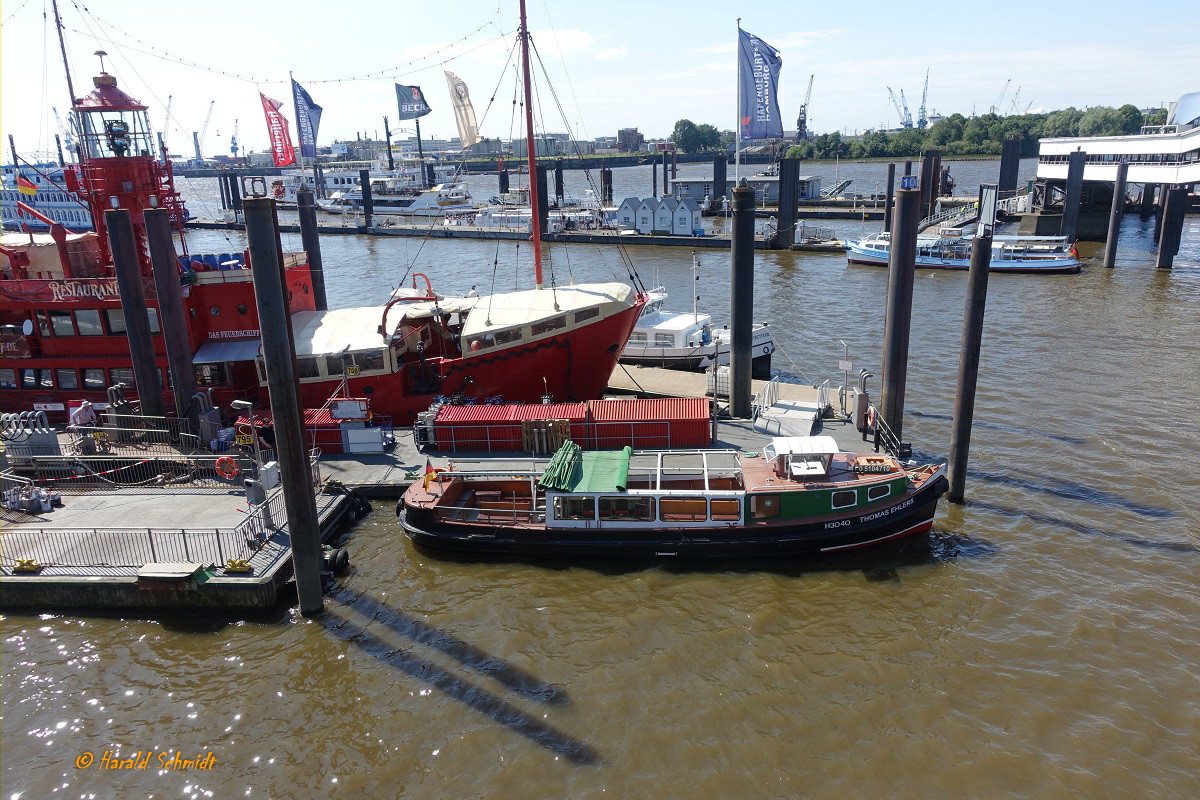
(120, 547)
(966, 213)
(823, 397)
(107, 440)
(804, 232)
(72, 474)
(885, 438)
(767, 396)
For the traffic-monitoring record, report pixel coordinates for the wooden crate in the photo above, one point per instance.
(544, 435)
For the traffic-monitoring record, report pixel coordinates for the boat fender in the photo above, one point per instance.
(227, 468)
(337, 560)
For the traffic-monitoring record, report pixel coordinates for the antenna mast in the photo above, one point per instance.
(62, 45)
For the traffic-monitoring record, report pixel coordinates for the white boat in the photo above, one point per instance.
(950, 250)
(52, 200)
(404, 181)
(688, 340)
(445, 198)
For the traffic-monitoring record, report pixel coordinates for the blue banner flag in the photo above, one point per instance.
(758, 84)
(411, 102)
(308, 120)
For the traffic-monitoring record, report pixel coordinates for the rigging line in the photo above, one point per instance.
(13, 13)
(395, 68)
(623, 254)
(566, 72)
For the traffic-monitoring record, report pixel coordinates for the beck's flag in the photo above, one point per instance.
(277, 128)
(308, 120)
(758, 84)
(26, 186)
(410, 101)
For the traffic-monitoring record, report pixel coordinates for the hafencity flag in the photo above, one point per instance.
(308, 120)
(758, 83)
(464, 112)
(410, 100)
(26, 186)
(277, 128)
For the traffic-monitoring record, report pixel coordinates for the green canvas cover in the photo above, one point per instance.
(573, 470)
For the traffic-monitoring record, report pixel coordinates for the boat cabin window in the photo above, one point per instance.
(43, 320)
(664, 340)
(67, 379)
(548, 325)
(624, 507)
(122, 375)
(8, 379)
(726, 509)
(307, 367)
(116, 320)
(683, 509)
(211, 375)
(876, 492)
(93, 380)
(586, 313)
(36, 379)
(510, 335)
(153, 314)
(88, 322)
(583, 507)
(371, 360)
(844, 499)
(637, 337)
(60, 321)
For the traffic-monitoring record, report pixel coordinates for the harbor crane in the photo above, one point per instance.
(233, 142)
(802, 119)
(66, 132)
(1015, 100)
(901, 110)
(167, 118)
(198, 138)
(1000, 100)
(922, 119)
(908, 122)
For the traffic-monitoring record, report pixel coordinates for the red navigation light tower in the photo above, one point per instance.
(117, 165)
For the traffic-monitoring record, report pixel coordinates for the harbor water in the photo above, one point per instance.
(1039, 643)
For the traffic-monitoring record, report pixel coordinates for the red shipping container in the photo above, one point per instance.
(574, 413)
(654, 424)
(480, 428)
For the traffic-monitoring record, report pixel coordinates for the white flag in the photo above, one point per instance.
(464, 113)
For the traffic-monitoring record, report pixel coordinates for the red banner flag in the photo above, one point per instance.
(277, 128)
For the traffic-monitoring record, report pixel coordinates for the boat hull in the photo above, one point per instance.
(856, 255)
(908, 516)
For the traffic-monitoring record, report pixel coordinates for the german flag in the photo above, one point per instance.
(25, 186)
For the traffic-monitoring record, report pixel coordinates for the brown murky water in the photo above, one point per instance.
(1041, 643)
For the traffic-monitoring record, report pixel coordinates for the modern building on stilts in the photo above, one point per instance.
(1076, 176)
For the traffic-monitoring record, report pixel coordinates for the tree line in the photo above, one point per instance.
(957, 135)
(954, 135)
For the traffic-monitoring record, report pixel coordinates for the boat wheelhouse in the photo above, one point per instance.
(800, 496)
(952, 251)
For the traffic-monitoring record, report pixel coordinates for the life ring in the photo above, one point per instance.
(871, 418)
(227, 468)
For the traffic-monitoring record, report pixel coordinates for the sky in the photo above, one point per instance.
(611, 65)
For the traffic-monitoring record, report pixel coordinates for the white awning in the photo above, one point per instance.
(340, 330)
(805, 445)
(220, 352)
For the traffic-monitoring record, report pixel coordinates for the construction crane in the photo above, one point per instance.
(922, 120)
(66, 133)
(1015, 99)
(198, 138)
(1000, 100)
(233, 143)
(908, 123)
(901, 111)
(802, 119)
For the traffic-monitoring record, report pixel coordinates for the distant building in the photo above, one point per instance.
(629, 140)
(686, 220)
(627, 212)
(545, 145)
(766, 189)
(644, 222)
(666, 216)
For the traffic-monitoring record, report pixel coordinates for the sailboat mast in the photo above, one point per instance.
(531, 151)
(62, 45)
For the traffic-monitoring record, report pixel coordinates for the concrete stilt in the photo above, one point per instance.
(1174, 201)
(558, 180)
(968, 365)
(543, 197)
(654, 178)
(171, 316)
(123, 246)
(1115, 214)
(741, 312)
(368, 202)
(1070, 215)
(279, 356)
(902, 269)
(311, 242)
(891, 196)
(504, 181)
(1147, 200)
(1010, 164)
(720, 184)
(789, 178)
